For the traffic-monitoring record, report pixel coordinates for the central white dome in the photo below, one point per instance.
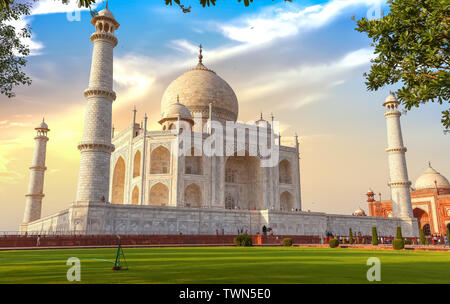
(429, 177)
(199, 87)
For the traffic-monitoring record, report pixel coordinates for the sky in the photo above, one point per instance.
(301, 61)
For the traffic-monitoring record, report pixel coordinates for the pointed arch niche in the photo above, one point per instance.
(118, 184)
(137, 164)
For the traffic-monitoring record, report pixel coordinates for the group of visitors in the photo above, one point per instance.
(360, 239)
(437, 239)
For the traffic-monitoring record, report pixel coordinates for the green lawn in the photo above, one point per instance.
(226, 265)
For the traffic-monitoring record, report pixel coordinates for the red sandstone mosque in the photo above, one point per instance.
(430, 200)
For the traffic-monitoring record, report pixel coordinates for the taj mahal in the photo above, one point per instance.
(202, 172)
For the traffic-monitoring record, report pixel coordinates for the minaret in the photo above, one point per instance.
(96, 147)
(35, 194)
(398, 173)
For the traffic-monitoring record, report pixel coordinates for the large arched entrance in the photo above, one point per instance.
(422, 220)
(286, 201)
(159, 195)
(118, 184)
(160, 161)
(243, 185)
(193, 196)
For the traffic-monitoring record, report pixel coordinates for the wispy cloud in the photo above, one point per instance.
(44, 7)
(6, 124)
(306, 75)
(8, 148)
(33, 45)
(252, 32)
(274, 22)
(136, 75)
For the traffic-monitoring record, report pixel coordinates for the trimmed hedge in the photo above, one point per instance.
(374, 236)
(399, 233)
(423, 241)
(287, 242)
(243, 240)
(333, 243)
(350, 236)
(398, 244)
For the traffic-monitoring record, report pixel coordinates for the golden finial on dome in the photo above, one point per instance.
(200, 56)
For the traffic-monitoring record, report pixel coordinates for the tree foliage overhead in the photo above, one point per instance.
(412, 48)
(13, 50)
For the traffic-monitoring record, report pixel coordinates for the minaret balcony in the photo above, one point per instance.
(392, 113)
(104, 36)
(99, 92)
(92, 146)
(399, 149)
(38, 195)
(38, 168)
(399, 184)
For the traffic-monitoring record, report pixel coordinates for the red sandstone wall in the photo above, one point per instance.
(102, 240)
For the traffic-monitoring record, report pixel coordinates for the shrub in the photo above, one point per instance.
(333, 243)
(374, 236)
(423, 241)
(408, 242)
(350, 236)
(243, 240)
(287, 242)
(399, 233)
(398, 244)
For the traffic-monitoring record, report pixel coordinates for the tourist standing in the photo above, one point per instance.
(38, 241)
(445, 241)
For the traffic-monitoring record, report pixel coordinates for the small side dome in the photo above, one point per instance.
(106, 13)
(390, 100)
(431, 179)
(359, 212)
(42, 126)
(176, 110)
(262, 122)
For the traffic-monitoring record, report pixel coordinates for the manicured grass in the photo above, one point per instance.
(226, 265)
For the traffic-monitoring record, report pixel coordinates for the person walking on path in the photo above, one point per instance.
(445, 241)
(38, 241)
